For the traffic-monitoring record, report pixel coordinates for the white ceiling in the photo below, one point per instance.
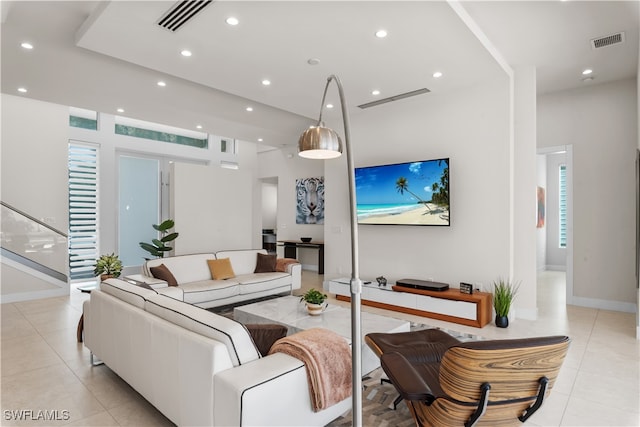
(105, 55)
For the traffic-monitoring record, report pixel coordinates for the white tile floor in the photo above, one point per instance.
(44, 368)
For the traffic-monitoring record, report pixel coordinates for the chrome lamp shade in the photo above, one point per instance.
(319, 142)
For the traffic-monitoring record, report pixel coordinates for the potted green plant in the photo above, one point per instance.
(504, 292)
(108, 266)
(158, 247)
(314, 300)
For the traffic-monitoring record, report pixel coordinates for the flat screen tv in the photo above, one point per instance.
(412, 193)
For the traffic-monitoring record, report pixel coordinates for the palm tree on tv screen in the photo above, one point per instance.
(441, 190)
(402, 185)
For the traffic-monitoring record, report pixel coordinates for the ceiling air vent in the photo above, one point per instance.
(181, 13)
(394, 98)
(607, 40)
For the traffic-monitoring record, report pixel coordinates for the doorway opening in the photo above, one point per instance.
(554, 239)
(269, 214)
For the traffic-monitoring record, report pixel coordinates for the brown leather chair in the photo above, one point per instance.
(423, 346)
(484, 383)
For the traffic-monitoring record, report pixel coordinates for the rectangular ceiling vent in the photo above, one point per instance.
(607, 40)
(394, 98)
(181, 13)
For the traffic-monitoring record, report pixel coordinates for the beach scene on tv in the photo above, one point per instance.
(415, 193)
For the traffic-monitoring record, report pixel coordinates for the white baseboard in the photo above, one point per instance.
(626, 307)
(310, 267)
(556, 267)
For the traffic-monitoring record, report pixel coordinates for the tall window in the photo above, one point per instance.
(83, 209)
(563, 206)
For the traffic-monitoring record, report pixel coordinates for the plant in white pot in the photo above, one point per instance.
(314, 300)
(504, 292)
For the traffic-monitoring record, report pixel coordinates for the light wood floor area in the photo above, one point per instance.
(44, 368)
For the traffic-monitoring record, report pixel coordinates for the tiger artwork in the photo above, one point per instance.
(310, 201)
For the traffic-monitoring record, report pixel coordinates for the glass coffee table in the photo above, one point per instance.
(292, 313)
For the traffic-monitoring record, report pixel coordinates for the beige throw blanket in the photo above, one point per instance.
(327, 357)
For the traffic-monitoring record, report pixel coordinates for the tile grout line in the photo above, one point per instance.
(579, 368)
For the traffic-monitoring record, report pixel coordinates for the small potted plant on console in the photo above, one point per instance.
(504, 292)
(314, 300)
(108, 266)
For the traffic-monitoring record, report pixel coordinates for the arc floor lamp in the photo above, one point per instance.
(320, 142)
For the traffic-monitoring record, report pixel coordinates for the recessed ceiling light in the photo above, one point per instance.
(266, 82)
(161, 83)
(186, 52)
(198, 126)
(381, 34)
(375, 92)
(232, 20)
(437, 74)
(249, 108)
(260, 139)
(329, 105)
(27, 45)
(120, 110)
(587, 72)
(313, 61)
(22, 89)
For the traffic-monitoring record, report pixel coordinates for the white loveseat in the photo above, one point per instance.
(196, 286)
(194, 366)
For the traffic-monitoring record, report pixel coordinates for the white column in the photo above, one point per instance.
(524, 190)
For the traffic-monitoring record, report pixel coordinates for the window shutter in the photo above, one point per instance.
(83, 209)
(563, 206)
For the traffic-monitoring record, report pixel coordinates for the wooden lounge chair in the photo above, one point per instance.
(484, 383)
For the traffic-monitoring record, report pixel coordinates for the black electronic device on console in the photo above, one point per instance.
(466, 288)
(426, 285)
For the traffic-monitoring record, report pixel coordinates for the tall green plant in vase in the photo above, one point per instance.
(158, 247)
(504, 292)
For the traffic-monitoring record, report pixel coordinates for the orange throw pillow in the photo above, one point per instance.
(221, 268)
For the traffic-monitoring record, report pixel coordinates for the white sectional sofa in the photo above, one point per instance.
(196, 286)
(194, 366)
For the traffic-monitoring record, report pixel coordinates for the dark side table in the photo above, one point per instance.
(291, 246)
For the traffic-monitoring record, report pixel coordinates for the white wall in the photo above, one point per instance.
(523, 190)
(600, 122)
(638, 208)
(288, 166)
(215, 206)
(269, 205)
(471, 128)
(34, 168)
(35, 138)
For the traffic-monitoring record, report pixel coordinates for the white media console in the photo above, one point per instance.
(450, 305)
